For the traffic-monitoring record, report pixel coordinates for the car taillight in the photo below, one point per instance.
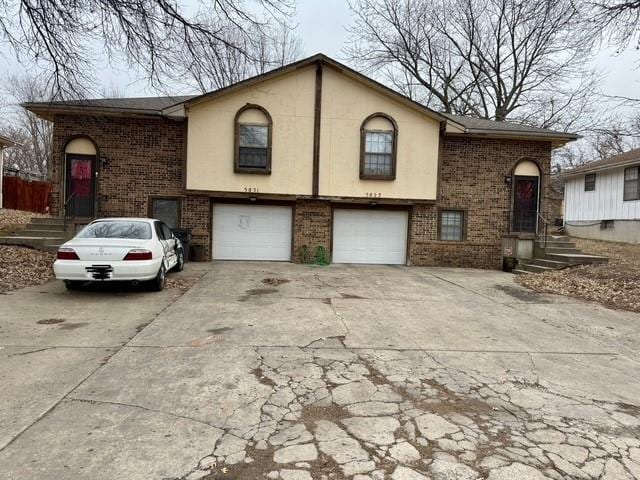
(66, 253)
(138, 254)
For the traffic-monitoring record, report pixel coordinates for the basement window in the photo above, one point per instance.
(606, 225)
(590, 182)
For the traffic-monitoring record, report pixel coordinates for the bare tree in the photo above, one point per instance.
(496, 59)
(263, 49)
(66, 36)
(34, 134)
(618, 20)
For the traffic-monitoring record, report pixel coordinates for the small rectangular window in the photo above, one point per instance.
(378, 154)
(452, 225)
(590, 182)
(632, 183)
(166, 210)
(606, 224)
(254, 143)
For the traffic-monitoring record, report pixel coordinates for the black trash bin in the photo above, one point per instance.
(184, 235)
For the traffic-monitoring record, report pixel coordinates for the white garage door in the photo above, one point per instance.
(368, 236)
(251, 232)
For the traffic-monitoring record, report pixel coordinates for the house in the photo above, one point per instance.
(4, 143)
(309, 155)
(602, 199)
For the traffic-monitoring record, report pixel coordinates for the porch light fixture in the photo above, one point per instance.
(104, 161)
(252, 199)
(373, 204)
(507, 179)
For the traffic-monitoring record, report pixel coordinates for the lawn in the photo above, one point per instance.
(616, 284)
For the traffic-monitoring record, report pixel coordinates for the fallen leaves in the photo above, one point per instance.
(11, 220)
(616, 285)
(21, 267)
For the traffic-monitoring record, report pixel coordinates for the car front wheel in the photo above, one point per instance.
(157, 284)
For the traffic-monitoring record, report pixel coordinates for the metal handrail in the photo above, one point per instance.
(546, 228)
(69, 213)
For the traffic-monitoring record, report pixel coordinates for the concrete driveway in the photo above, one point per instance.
(281, 371)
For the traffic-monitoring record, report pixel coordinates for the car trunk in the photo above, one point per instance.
(104, 249)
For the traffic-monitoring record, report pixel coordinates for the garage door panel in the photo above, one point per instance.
(252, 232)
(362, 236)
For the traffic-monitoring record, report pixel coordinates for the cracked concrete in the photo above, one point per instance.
(358, 372)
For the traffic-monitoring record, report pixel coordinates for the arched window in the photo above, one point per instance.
(253, 127)
(378, 147)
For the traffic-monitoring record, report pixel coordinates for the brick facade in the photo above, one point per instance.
(472, 178)
(141, 158)
(311, 227)
(144, 158)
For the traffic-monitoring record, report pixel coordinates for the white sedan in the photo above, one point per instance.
(119, 249)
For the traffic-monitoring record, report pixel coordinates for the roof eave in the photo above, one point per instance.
(557, 139)
(49, 111)
(583, 170)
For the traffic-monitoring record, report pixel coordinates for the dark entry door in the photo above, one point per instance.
(81, 171)
(525, 204)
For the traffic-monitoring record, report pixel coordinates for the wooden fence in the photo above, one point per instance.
(21, 194)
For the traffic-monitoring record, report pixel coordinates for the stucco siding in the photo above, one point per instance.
(210, 148)
(346, 103)
(604, 203)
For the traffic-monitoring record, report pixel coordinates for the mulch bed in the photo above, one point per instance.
(616, 285)
(22, 267)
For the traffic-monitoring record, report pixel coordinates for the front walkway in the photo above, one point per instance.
(298, 372)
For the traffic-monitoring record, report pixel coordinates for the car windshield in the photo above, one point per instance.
(132, 230)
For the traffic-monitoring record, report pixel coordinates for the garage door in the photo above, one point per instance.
(251, 232)
(367, 236)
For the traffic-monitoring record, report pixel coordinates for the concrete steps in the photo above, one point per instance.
(41, 234)
(38, 243)
(558, 253)
(577, 258)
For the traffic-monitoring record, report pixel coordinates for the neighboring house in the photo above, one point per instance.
(602, 199)
(311, 154)
(4, 143)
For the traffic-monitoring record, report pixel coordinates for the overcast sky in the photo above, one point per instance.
(321, 25)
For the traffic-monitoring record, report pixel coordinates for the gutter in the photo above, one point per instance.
(611, 166)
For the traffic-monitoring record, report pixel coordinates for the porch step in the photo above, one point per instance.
(39, 243)
(533, 268)
(555, 244)
(561, 250)
(58, 227)
(559, 238)
(543, 262)
(49, 220)
(30, 232)
(576, 258)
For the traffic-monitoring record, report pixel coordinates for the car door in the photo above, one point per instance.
(171, 245)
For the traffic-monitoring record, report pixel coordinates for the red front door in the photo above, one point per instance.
(525, 204)
(80, 192)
